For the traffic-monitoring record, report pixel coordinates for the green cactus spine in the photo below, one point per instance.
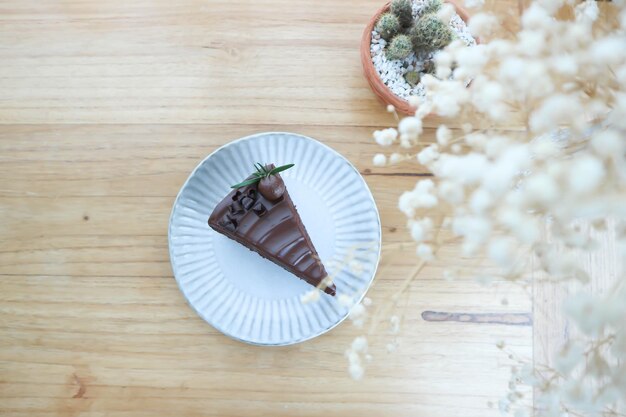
(412, 77)
(430, 34)
(400, 47)
(388, 26)
(432, 6)
(403, 9)
(429, 67)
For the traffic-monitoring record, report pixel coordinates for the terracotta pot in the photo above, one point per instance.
(371, 75)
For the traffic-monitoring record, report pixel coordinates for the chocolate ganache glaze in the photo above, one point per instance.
(262, 217)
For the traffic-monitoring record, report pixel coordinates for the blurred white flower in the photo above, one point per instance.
(345, 300)
(480, 201)
(443, 58)
(536, 17)
(310, 296)
(608, 143)
(482, 24)
(385, 137)
(541, 188)
(466, 169)
(395, 158)
(356, 267)
(473, 4)
(565, 64)
(569, 358)
(554, 111)
(471, 60)
(425, 252)
(609, 50)
(587, 11)
(421, 230)
(379, 160)
(502, 251)
(445, 12)
(359, 344)
(488, 98)
(451, 191)
(544, 154)
(428, 155)
(586, 173)
(444, 135)
(395, 324)
(551, 6)
(411, 127)
(391, 347)
(450, 274)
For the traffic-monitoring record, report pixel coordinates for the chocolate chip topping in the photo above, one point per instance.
(236, 208)
(247, 202)
(259, 209)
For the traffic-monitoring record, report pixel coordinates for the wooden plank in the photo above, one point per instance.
(105, 108)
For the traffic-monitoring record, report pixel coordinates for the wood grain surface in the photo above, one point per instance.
(105, 108)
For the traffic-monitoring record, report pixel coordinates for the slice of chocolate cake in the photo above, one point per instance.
(260, 214)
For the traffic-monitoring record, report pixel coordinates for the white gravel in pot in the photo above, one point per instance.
(391, 71)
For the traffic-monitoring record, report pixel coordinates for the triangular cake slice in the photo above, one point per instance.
(262, 217)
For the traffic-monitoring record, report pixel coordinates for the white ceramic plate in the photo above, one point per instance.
(250, 298)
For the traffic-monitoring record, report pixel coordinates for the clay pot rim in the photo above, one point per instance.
(377, 85)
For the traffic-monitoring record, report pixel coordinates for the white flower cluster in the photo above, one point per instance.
(588, 374)
(356, 355)
(565, 80)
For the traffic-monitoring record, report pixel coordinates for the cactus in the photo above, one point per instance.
(412, 77)
(388, 26)
(429, 67)
(432, 6)
(403, 9)
(400, 47)
(430, 34)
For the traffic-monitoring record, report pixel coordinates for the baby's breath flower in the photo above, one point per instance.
(480, 201)
(445, 13)
(482, 24)
(585, 174)
(379, 160)
(425, 252)
(542, 188)
(358, 314)
(536, 17)
(395, 158)
(450, 274)
(444, 135)
(356, 267)
(608, 143)
(502, 251)
(569, 358)
(474, 4)
(359, 344)
(451, 191)
(395, 324)
(502, 189)
(345, 300)
(386, 137)
(310, 296)
(428, 155)
(411, 127)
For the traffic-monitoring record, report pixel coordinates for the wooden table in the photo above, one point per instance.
(105, 108)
